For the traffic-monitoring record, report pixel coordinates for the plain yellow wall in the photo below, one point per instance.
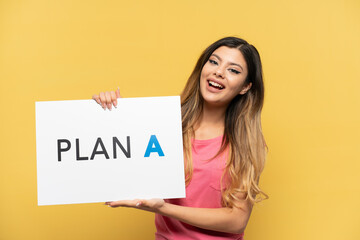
(60, 50)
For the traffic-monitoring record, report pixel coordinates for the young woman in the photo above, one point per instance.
(224, 146)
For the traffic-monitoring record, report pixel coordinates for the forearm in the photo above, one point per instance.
(232, 220)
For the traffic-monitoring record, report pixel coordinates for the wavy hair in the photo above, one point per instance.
(243, 135)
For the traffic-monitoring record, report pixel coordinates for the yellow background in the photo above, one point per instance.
(62, 50)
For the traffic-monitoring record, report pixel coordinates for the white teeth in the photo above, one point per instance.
(216, 84)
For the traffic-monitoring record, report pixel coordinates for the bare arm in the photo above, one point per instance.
(231, 220)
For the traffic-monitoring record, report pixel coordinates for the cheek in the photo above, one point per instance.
(202, 81)
(203, 75)
(205, 70)
(237, 83)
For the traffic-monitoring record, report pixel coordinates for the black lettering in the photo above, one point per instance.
(78, 158)
(95, 151)
(117, 142)
(59, 141)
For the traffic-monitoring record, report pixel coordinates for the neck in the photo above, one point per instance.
(211, 123)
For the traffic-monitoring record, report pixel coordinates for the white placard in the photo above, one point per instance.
(86, 154)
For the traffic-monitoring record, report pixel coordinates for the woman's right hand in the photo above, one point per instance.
(107, 99)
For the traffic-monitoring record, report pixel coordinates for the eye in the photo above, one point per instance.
(234, 71)
(213, 61)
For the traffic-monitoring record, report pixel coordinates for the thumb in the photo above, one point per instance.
(117, 93)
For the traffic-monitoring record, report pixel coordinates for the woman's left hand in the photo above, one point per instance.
(152, 205)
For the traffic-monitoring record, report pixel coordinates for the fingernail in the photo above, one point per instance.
(138, 204)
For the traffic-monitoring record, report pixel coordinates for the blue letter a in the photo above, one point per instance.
(153, 146)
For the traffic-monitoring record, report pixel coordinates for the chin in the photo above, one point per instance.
(214, 102)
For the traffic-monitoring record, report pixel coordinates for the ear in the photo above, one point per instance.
(245, 89)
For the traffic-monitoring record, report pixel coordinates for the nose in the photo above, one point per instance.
(219, 72)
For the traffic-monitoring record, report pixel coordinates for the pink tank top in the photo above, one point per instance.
(203, 191)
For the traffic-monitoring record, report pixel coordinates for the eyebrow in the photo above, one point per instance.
(231, 63)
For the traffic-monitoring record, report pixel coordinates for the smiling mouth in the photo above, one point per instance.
(215, 85)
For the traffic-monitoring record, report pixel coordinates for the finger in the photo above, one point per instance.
(103, 100)
(117, 92)
(113, 98)
(136, 203)
(96, 98)
(108, 100)
(124, 203)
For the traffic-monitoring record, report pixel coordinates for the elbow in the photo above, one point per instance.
(238, 227)
(238, 221)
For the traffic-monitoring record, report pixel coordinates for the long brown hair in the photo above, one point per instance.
(242, 133)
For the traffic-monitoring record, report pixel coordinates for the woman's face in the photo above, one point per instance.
(223, 76)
